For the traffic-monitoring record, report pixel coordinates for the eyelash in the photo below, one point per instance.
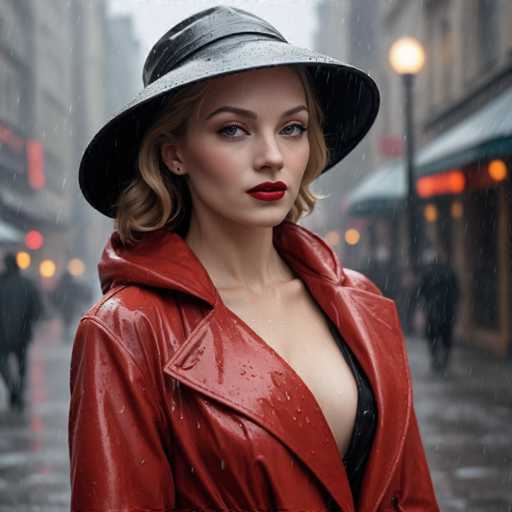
(300, 127)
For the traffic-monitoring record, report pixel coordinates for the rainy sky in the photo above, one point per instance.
(295, 19)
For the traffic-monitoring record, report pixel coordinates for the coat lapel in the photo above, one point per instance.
(223, 358)
(226, 360)
(369, 325)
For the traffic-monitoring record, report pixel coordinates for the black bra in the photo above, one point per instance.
(366, 420)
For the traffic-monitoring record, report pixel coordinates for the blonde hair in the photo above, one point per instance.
(156, 197)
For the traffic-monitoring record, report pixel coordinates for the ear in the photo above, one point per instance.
(171, 158)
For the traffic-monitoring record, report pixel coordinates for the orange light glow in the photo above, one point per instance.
(452, 182)
(498, 170)
(34, 240)
(457, 210)
(23, 260)
(47, 268)
(76, 267)
(352, 236)
(430, 213)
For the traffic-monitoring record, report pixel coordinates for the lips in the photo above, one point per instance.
(269, 186)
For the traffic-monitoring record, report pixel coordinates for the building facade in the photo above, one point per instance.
(15, 108)
(54, 62)
(462, 168)
(348, 31)
(35, 95)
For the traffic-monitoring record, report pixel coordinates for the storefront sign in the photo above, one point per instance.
(12, 150)
(445, 183)
(35, 164)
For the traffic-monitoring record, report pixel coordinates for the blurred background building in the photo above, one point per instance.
(60, 69)
(463, 130)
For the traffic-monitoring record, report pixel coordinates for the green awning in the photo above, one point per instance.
(484, 135)
(383, 191)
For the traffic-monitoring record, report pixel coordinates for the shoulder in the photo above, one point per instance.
(354, 279)
(143, 322)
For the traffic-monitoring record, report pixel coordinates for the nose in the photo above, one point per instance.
(268, 153)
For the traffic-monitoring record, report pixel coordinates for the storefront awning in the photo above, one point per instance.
(484, 135)
(384, 190)
(9, 234)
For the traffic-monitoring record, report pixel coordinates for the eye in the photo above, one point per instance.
(294, 130)
(232, 131)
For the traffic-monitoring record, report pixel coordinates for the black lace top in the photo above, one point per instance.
(366, 420)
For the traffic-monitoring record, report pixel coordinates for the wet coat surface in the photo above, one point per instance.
(178, 405)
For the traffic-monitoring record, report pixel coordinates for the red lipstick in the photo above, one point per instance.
(268, 191)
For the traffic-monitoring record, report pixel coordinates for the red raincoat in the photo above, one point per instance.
(176, 404)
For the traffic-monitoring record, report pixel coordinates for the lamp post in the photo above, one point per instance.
(407, 58)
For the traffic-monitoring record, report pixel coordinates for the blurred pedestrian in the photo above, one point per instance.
(188, 373)
(70, 298)
(20, 307)
(438, 294)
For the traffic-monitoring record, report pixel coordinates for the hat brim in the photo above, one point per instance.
(349, 99)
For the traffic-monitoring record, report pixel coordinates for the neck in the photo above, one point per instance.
(236, 256)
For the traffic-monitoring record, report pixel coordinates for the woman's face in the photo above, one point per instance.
(249, 129)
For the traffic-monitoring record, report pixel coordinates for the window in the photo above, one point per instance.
(484, 252)
(441, 40)
(10, 92)
(488, 31)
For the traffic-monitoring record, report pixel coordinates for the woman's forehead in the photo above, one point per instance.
(278, 86)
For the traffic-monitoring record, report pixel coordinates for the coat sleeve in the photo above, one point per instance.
(117, 439)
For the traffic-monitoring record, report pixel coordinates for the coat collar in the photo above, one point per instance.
(163, 259)
(272, 394)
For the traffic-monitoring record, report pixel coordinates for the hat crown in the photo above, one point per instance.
(198, 31)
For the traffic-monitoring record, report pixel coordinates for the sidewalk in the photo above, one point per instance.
(33, 444)
(466, 424)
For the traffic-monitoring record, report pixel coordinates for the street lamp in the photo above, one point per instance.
(407, 59)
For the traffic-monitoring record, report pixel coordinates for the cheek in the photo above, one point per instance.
(214, 165)
(298, 159)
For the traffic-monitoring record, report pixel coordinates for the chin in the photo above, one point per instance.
(268, 219)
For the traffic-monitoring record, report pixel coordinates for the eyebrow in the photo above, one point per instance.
(250, 114)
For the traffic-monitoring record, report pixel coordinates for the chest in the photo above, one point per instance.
(296, 329)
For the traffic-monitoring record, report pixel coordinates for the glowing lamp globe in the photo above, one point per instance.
(407, 56)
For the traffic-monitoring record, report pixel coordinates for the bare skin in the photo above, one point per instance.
(288, 319)
(222, 156)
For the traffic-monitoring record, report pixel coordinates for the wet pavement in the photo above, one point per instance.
(33, 444)
(466, 423)
(465, 420)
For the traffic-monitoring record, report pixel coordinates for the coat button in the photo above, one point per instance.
(395, 502)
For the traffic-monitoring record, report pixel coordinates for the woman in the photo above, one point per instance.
(232, 364)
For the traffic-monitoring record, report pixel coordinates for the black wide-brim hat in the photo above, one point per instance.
(214, 42)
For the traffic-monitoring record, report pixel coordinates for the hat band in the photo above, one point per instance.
(175, 53)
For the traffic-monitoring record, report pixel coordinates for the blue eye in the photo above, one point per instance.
(294, 130)
(231, 130)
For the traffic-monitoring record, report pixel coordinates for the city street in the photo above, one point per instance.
(465, 420)
(33, 445)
